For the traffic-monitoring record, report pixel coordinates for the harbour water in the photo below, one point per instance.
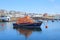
(52, 32)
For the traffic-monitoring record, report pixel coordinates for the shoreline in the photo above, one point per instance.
(35, 18)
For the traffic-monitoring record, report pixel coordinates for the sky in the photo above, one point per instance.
(32, 6)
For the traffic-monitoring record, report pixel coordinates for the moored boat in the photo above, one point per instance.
(28, 23)
(4, 19)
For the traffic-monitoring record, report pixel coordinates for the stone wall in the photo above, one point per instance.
(14, 18)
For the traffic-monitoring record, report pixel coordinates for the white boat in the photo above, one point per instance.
(4, 18)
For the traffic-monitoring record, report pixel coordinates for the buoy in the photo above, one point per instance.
(46, 26)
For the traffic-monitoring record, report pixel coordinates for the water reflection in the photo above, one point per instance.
(5, 25)
(27, 32)
(2, 26)
(8, 33)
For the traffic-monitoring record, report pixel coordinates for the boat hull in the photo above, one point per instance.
(28, 26)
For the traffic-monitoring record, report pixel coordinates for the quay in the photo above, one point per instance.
(10, 19)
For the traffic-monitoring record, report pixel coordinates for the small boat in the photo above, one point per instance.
(29, 23)
(4, 19)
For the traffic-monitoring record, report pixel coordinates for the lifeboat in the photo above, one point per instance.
(27, 22)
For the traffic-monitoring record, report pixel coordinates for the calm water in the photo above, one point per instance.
(51, 33)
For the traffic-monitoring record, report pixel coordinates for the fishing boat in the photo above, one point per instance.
(29, 24)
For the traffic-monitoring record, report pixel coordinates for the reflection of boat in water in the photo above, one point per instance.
(27, 22)
(34, 29)
(26, 32)
(2, 27)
